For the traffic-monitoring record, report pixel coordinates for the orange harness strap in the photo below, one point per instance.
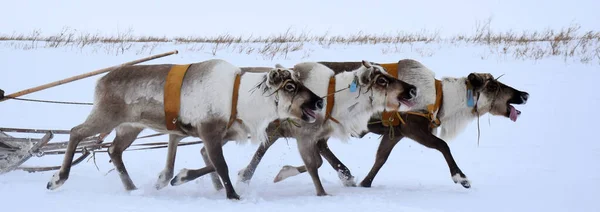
(391, 68)
(432, 108)
(330, 100)
(172, 94)
(234, 99)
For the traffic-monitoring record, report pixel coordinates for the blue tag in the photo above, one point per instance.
(470, 101)
(353, 86)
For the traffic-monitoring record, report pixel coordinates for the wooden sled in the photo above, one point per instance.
(15, 151)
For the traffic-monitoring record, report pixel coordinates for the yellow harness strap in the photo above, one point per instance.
(172, 96)
(234, 99)
(330, 100)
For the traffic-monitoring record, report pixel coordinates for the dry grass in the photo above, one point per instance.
(568, 42)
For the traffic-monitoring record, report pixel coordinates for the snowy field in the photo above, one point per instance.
(542, 162)
(546, 161)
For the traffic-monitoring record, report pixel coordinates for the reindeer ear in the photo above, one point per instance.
(366, 64)
(284, 73)
(366, 75)
(475, 80)
(274, 78)
(278, 65)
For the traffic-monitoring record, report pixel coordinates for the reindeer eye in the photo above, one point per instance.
(382, 81)
(290, 87)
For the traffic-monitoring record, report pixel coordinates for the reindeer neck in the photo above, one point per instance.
(256, 108)
(349, 104)
(454, 99)
(343, 97)
(454, 115)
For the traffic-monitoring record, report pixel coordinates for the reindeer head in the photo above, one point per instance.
(495, 97)
(387, 92)
(293, 99)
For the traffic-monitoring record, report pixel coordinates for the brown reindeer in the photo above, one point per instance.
(489, 96)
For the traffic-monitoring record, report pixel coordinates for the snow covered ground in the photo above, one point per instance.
(546, 161)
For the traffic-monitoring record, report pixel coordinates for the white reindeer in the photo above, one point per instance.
(376, 90)
(131, 99)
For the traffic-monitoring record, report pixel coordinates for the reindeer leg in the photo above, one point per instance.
(126, 135)
(213, 134)
(245, 175)
(312, 161)
(383, 152)
(216, 181)
(187, 175)
(167, 173)
(97, 122)
(213, 141)
(342, 170)
(427, 139)
(290, 171)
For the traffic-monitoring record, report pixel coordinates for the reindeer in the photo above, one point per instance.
(131, 98)
(454, 113)
(347, 111)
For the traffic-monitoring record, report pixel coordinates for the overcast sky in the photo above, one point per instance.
(262, 17)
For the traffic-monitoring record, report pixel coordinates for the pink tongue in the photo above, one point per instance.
(310, 112)
(513, 113)
(407, 103)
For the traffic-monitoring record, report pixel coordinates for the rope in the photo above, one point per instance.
(492, 107)
(49, 101)
(478, 129)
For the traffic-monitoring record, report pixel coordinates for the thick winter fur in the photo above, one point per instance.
(492, 97)
(351, 109)
(131, 99)
(414, 73)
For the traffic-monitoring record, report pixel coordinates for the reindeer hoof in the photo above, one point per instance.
(56, 181)
(350, 184)
(285, 172)
(163, 180)
(466, 184)
(233, 196)
(347, 180)
(365, 184)
(180, 178)
(322, 194)
(244, 175)
(131, 188)
(462, 179)
(161, 184)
